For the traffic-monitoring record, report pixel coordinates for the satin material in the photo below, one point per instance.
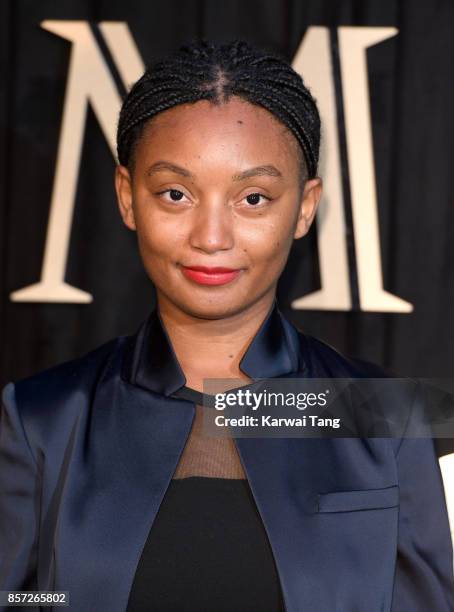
(88, 448)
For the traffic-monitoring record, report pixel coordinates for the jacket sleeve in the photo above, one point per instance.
(19, 501)
(424, 568)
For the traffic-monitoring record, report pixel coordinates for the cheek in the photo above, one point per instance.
(157, 235)
(269, 241)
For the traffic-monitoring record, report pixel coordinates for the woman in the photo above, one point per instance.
(110, 488)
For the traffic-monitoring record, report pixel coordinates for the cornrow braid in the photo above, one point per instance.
(205, 70)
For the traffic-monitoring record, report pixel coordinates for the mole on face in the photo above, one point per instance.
(240, 122)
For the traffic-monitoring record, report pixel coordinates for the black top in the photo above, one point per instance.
(207, 550)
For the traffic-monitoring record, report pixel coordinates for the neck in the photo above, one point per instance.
(212, 348)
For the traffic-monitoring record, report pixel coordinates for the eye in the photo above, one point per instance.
(175, 195)
(254, 198)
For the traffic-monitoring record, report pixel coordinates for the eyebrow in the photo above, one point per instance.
(267, 170)
(258, 171)
(163, 165)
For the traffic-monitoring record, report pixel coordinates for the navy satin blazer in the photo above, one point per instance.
(87, 450)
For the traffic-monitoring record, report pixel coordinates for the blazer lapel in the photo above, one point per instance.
(125, 452)
(338, 559)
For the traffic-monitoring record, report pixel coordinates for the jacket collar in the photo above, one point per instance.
(150, 360)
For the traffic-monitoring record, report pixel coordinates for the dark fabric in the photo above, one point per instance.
(193, 396)
(207, 550)
(87, 454)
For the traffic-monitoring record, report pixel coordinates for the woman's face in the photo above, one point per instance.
(216, 186)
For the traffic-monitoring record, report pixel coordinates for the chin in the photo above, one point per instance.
(207, 310)
(216, 307)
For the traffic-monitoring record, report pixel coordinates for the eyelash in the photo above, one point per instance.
(249, 194)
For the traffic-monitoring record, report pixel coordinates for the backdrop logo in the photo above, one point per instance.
(90, 82)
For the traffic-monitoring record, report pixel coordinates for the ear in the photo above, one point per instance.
(123, 187)
(308, 206)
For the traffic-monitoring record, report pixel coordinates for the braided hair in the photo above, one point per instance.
(205, 70)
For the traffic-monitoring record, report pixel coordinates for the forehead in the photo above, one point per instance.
(236, 122)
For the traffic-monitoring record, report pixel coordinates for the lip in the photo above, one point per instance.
(204, 275)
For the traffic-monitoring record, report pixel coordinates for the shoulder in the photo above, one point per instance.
(398, 396)
(50, 387)
(324, 360)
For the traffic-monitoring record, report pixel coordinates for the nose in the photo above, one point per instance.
(212, 228)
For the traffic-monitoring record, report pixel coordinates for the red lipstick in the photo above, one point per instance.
(210, 276)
